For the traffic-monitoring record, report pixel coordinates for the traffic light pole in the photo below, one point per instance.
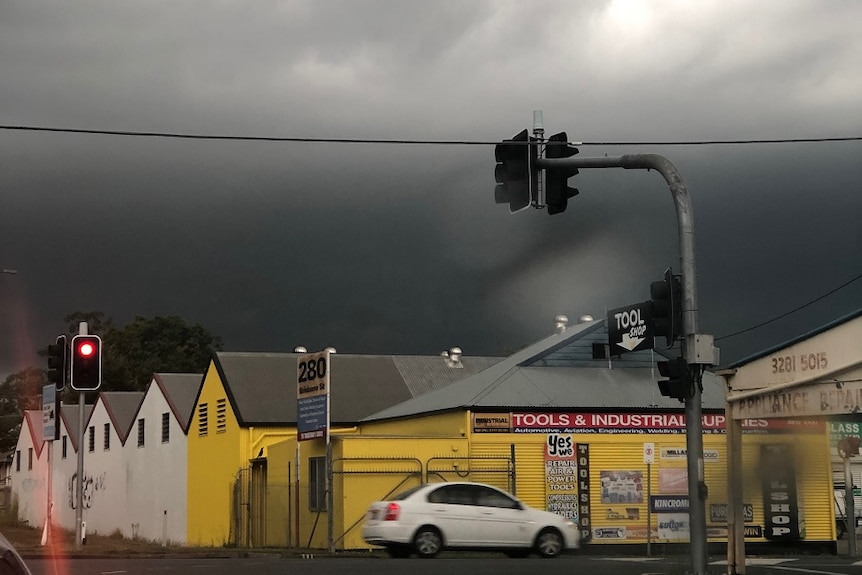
(693, 404)
(79, 486)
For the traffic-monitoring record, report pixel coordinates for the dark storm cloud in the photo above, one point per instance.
(400, 248)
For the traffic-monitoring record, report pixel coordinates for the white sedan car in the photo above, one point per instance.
(464, 515)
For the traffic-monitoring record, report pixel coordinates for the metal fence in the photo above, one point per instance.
(355, 484)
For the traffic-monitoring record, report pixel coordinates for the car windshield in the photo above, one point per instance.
(11, 564)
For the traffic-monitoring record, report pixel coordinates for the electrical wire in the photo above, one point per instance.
(803, 306)
(398, 141)
(401, 141)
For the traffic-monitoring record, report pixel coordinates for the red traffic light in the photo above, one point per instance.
(86, 349)
(86, 364)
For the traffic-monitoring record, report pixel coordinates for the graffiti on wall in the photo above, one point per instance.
(92, 485)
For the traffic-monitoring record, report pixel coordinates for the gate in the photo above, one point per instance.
(496, 471)
(363, 480)
(239, 509)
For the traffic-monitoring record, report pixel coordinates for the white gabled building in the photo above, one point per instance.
(156, 459)
(105, 497)
(30, 471)
(65, 465)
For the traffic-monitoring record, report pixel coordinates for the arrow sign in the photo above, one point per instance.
(629, 343)
(630, 328)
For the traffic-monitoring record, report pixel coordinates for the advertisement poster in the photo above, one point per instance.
(561, 476)
(622, 487)
(673, 480)
(673, 526)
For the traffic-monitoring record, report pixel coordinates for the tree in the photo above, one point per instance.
(18, 392)
(97, 322)
(132, 354)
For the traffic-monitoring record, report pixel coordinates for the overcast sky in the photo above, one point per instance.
(400, 248)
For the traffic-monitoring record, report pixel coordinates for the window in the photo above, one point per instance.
(600, 351)
(452, 495)
(92, 439)
(221, 415)
(65, 446)
(107, 437)
(29, 458)
(317, 483)
(18, 461)
(166, 427)
(492, 498)
(141, 432)
(203, 424)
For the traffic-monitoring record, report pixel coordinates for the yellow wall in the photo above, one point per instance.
(625, 452)
(215, 461)
(446, 424)
(386, 458)
(365, 469)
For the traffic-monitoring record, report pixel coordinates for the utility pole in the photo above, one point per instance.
(79, 486)
(697, 348)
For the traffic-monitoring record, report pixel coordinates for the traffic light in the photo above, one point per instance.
(679, 382)
(516, 173)
(557, 191)
(57, 362)
(86, 367)
(666, 302)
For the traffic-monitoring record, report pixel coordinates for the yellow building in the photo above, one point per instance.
(567, 429)
(247, 403)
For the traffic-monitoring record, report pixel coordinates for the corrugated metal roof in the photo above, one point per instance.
(122, 407)
(34, 424)
(540, 376)
(262, 386)
(423, 374)
(69, 413)
(180, 391)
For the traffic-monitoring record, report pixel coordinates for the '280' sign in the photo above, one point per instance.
(312, 374)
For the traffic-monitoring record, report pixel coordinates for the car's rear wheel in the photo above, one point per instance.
(549, 543)
(427, 542)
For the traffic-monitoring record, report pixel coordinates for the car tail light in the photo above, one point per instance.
(392, 512)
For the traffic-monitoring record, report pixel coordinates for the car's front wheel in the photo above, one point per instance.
(549, 543)
(427, 542)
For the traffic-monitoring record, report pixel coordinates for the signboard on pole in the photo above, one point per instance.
(50, 428)
(630, 328)
(312, 395)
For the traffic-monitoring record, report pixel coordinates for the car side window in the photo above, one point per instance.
(492, 498)
(452, 495)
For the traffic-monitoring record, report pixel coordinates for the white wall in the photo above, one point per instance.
(65, 474)
(104, 501)
(29, 486)
(157, 481)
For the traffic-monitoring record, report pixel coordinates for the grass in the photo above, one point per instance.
(28, 541)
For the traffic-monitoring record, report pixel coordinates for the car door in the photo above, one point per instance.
(504, 521)
(453, 511)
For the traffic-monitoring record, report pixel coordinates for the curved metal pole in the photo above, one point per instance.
(693, 405)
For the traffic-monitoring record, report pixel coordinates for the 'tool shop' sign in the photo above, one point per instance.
(783, 518)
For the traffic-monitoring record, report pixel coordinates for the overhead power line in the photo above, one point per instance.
(803, 306)
(401, 141)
